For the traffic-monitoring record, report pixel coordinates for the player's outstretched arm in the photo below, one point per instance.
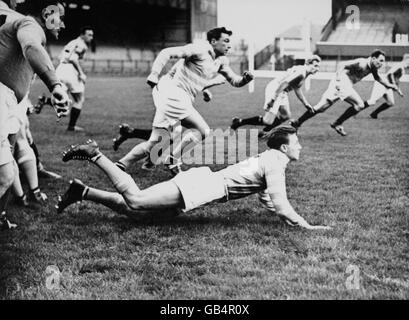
(234, 79)
(282, 207)
(300, 95)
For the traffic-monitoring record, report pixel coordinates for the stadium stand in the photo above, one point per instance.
(382, 24)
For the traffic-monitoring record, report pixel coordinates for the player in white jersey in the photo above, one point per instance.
(174, 95)
(393, 76)
(22, 54)
(276, 105)
(73, 76)
(341, 88)
(263, 174)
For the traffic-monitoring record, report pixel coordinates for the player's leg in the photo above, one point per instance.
(8, 167)
(389, 103)
(357, 105)
(76, 109)
(126, 132)
(143, 149)
(26, 160)
(198, 131)
(271, 103)
(162, 196)
(283, 114)
(320, 107)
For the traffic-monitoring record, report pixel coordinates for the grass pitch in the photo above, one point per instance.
(358, 184)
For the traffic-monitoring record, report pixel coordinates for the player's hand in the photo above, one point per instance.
(207, 95)
(315, 228)
(400, 92)
(82, 77)
(60, 101)
(310, 108)
(152, 80)
(247, 76)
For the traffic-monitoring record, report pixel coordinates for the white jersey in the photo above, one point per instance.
(74, 50)
(199, 67)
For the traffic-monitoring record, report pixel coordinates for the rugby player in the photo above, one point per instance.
(73, 77)
(341, 88)
(174, 95)
(263, 174)
(276, 105)
(22, 54)
(393, 76)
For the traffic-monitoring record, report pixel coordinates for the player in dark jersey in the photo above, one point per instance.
(393, 76)
(341, 88)
(276, 106)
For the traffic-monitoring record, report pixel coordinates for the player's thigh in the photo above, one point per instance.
(78, 97)
(378, 91)
(196, 121)
(269, 117)
(389, 97)
(7, 174)
(324, 104)
(355, 100)
(160, 196)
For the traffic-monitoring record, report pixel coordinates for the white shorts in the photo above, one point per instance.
(199, 186)
(8, 101)
(68, 75)
(379, 91)
(345, 89)
(172, 103)
(281, 100)
(18, 116)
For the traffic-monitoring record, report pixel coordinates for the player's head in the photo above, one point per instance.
(313, 64)
(50, 14)
(285, 139)
(405, 60)
(378, 58)
(87, 34)
(219, 38)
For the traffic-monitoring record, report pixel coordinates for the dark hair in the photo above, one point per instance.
(378, 53)
(36, 7)
(313, 59)
(279, 136)
(216, 33)
(84, 29)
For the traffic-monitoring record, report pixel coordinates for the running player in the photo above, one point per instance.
(73, 77)
(22, 53)
(174, 95)
(276, 105)
(341, 88)
(263, 174)
(393, 76)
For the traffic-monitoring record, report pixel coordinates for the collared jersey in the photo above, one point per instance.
(18, 34)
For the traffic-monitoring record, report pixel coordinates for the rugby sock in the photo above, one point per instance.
(121, 166)
(36, 153)
(75, 114)
(350, 112)
(143, 134)
(276, 123)
(380, 109)
(256, 121)
(307, 115)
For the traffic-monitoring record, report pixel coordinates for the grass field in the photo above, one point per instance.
(358, 184)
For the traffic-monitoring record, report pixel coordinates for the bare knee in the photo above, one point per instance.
(7, 176)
